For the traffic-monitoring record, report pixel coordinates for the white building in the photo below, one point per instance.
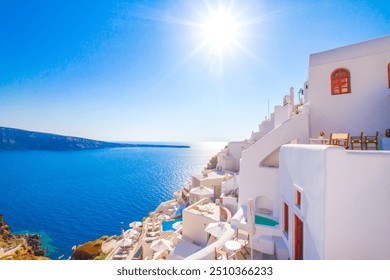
(196, 217)
(210, 179)
(199, 193)
(229, 158)
(334, 202)
(361, 103)
(328, 202)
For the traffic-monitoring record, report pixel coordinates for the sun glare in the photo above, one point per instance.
(220, 30)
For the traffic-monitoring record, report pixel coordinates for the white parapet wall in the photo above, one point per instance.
(207, 253)
(344, 201)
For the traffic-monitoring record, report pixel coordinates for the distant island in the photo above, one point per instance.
(18, 139)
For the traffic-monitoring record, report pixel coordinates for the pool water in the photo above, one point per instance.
(167, 225)
(179, 211)
(260, 220)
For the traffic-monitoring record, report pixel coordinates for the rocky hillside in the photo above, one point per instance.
(90, 251)
(19, 246)
(17, 139)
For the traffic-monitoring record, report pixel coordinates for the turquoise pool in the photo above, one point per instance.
(261, 220)
(167, 225)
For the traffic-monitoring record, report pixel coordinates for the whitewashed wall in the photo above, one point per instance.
(303, 166)
(344, 200)
(236, 148)
(229, 159)
(357, 213)
(194, 225)
(267, 125)
(211, 182)
(282, 114)
(367, 107)
(256, 180)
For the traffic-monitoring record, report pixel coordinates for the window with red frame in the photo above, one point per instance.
(340, 81)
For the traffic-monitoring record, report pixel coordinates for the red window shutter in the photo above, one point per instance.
(340, 80)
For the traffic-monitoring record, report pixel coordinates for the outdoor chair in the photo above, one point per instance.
(339, 139)
(242, 237)
(161, 255)
(220, 254)
(153, 233)
(357, 142)
(154, 226)
(371, 142)
(150, 239)
(119, 256)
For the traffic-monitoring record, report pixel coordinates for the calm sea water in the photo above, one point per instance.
(74, 197)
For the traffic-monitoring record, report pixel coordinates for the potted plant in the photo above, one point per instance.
(322, 135)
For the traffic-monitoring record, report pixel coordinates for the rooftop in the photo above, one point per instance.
(205, 208)
(379, 45)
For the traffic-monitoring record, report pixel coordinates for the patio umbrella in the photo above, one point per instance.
(251, 222)
(177, 225)
(125, 242)
(202, 191)
(132, 233)
(217, 229)
(199, 193)
(164, 217)
(161, 245)
(135, 224)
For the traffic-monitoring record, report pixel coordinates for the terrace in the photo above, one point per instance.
(354, 142)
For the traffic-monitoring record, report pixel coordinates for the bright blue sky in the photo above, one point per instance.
(140, 71)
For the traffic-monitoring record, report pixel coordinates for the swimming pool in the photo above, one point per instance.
(167, 225)
(261, 220)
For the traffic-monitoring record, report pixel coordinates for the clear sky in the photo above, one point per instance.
(165, 70)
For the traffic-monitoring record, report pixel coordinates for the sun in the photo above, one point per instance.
(220, 30)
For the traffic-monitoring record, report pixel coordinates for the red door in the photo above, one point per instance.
(298, 238)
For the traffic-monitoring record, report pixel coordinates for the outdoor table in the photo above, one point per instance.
(233, 246)
(322, 141)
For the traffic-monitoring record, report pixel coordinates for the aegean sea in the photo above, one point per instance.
(72, 197)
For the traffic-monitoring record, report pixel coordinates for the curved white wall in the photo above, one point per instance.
(207, 253)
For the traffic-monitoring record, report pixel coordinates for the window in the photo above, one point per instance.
(388, 73)
(340, 81)
(285, 218)
(298, 198)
